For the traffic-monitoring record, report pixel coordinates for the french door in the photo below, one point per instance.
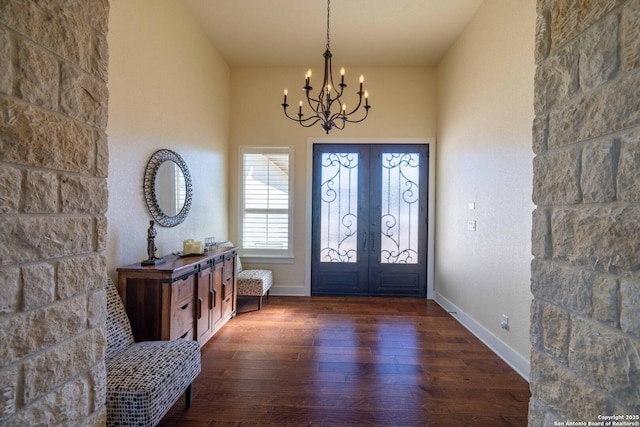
(369, 219)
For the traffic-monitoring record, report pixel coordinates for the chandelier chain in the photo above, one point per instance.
(328, 10)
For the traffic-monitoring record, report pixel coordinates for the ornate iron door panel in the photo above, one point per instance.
(370, 219)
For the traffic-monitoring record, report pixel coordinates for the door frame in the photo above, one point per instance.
(432, 198)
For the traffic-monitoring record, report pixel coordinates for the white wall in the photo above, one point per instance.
(403, 105)
(168, 88)
(485, 114)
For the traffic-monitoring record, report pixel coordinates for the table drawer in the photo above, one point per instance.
(183, 289)
(182, 319)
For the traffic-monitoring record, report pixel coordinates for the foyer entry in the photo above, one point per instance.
(369, 219)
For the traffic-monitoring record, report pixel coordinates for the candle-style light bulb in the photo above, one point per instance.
(344, 108)
(285, 96)
(366, 97)
(342, 76)
(361, 81)
(307, 76)
(300, 108)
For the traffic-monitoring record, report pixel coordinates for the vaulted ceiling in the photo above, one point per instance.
(285, 33)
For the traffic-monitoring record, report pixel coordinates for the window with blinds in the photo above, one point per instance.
(266, 201)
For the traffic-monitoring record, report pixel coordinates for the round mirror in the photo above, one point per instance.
(167, 188)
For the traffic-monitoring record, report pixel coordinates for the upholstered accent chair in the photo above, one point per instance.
(144, 379)
(252, 282)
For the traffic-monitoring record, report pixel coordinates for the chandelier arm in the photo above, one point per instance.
(301, 120)
(346, 119)
(356, 108)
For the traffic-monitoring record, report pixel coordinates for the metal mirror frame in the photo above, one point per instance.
(149, 186)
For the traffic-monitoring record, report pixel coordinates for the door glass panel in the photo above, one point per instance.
(339, 207)
(400, 208)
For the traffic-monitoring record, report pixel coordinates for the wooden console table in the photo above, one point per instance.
(188, 298)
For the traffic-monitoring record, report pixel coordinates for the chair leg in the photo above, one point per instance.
(260, 303)
(187, 396)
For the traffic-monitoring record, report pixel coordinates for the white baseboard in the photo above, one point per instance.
(518, 363)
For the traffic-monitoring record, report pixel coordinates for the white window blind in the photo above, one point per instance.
(266, 201)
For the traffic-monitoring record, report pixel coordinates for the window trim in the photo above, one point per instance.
(265, 255)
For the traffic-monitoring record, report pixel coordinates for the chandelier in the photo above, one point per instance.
(327, 108)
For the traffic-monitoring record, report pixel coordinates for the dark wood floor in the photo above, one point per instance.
(336, 361)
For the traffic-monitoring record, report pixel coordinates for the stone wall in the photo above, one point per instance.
(585, 317)
(53, 199)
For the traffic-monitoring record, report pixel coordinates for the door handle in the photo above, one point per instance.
(199, 308)
(212, 293)
(364, 240)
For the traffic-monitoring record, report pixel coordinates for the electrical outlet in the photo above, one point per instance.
(504, 324)
(471, 225)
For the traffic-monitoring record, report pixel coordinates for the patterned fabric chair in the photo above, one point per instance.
(252, 283)
(144, 379)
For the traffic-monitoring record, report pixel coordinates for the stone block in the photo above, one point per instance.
(84, 195)
(592, 11)
(562, 391)
(97, 419)
(6, 62)
(599, 60)
(630, 37)
(94, 13)
(37, 76)
(101, 233)
(605, 300)
(566, 286)
(613, 108)
(98, 381)
(628, 185)
(10, 189)
(600, 238)
(630, 307)
(83, 97)
(49, 25)
(52, 368)
(599, 165)
(8, 392)
(27, 239)
(41, 192)
(100, 57)
(102, 154)
(535, 324)
(556, 78)
(537, 413)
(556, 328)
(541, 234)
(96, 309)
(540, 133)
(10, 290)
(32, 137)
(65, 406)
(80, 274)
(39, 286)
(564, 22)
(543, 33)
(556, 177)
(33, 331)
(610, 360)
